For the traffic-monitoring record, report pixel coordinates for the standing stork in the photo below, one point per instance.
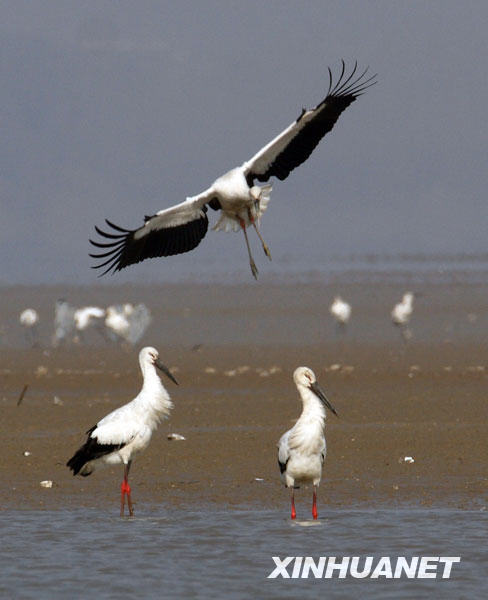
(88, 316)
(127, 431)
(29, 319)
(181, 228)
(401, 313)
(341, 311)
(302, 449)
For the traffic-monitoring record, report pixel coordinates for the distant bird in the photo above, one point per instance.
(128, 322)
(86, 315)
(181, 228)
(139, 320)
(302, 449)
(127, 431)
(401, 313)
(341, 311)
(29, 319)
(116, 320)
(64, 321)
(89, 316)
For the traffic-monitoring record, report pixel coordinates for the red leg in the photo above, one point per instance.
(122, 498)
(293, 511)
(314, 506)
(129, 502)
(125, 490)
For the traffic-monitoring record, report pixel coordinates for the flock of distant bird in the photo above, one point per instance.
(119, 322)
(400, 314)
(127, 431)
(128, 322)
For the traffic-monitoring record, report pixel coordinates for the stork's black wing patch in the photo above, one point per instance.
(301, 146)
(91, 450)
(124, 249)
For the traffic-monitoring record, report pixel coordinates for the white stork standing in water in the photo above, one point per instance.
(302, 449)
(181, 228)
(127, 431)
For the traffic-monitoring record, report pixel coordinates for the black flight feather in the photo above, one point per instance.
(301, 146)
(91, 450)
(126, 250)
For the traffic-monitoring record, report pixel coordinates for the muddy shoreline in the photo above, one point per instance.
(427, 399)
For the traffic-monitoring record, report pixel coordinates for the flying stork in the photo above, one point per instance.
(181, 227)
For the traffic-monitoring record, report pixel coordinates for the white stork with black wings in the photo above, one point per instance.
(126, 431)
(181, 228)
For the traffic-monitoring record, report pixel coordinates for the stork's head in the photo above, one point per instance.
(305, 378)
(150, 356)
(128, 309)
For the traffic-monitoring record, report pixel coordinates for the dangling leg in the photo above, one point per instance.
(293, 511)
(254, 269)
(265, 246)
(125, 490)
(314, 505)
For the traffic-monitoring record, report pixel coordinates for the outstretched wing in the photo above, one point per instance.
(294, 145)
(173, 230)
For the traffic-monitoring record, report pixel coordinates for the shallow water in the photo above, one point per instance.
(220, 553)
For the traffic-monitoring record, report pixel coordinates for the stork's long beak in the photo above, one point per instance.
(319, 392)
(165, 370)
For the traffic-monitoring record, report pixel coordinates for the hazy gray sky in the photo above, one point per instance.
(118, 109)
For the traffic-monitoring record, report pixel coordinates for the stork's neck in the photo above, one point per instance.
(313, 409)
(408, 300)
(151, 378)
(153, 393)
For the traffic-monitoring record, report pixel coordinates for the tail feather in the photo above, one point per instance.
(265, 197)
(90, 451)
(78, 461)
(230, 223)
(226, 223)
